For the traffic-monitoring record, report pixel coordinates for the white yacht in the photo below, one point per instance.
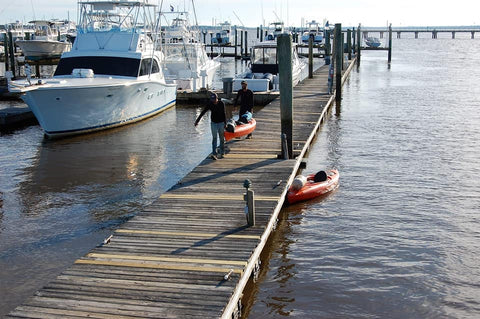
(112, 76)
(224, 35)
(313, 30)
(186, 61)
(262, 74)
(277, 30)
(46, 41)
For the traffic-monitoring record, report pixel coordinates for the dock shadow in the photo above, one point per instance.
(204, 242)
(213, 176)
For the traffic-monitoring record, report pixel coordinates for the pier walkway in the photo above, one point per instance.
(190, 254)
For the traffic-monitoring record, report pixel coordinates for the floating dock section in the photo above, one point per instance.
(191, 253)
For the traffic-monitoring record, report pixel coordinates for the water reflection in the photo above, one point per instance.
(62, 197)
(398, 238)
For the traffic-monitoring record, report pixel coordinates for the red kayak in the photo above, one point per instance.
(241, 130)
(312, 189)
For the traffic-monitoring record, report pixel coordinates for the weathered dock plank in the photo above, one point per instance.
(190, 253)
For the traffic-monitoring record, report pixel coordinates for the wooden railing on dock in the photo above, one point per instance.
(190, 254)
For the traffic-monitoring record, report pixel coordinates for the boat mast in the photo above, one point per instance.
(194, 13)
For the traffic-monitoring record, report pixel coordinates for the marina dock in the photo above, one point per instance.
(191, 253)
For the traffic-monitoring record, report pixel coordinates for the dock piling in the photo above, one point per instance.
(249, 198)
(5, 46)
(328, 47)
(236, 42)
(338, 60)
(11, 53)
(310, 57)
(241, 43)
(284, 47)
(349, 44)
(359, 44)
(390, 43)
(246, 44)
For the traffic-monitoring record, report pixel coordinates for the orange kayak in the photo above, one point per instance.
(311, 189)
(241, 130)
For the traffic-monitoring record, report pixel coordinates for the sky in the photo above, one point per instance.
(253, 13)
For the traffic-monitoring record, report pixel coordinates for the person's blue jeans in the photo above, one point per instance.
(218, 130)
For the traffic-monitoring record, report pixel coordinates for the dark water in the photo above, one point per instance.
(59, 199)
(398, 239)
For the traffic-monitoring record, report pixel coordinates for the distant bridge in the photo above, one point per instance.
(417, 30)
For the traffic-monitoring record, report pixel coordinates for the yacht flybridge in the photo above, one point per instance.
(186, 61)
(112, 76)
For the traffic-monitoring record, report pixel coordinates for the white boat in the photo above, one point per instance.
(224, 35)
(111, 77)
(44, 42)
(263, 72)
(313, 30)
(186, 61)
(277, 30)
(17, 29)
(373, 42)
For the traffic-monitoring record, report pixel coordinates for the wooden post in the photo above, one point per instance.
(349, 44)
(11, 53)
(359, 44)
(249, 198)
(246, 43)
(310, 57)
(284, 53)
(236, 42)
(338, 60)
(241, 43)
(328, 47)
(390, 43)
(5, 46)
(354, 44)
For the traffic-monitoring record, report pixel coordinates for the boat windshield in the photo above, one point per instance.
(100, 65)
(263, 55)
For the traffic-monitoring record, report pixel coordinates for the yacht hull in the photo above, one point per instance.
(204, 78)
(63, 111)
(43, 48)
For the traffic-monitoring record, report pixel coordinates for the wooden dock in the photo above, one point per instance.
(190, 254)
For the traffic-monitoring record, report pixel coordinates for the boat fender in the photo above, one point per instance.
(299, 182)
(321, 176)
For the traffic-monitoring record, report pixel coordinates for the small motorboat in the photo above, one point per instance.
(372, 42)
(241, 130)
(313, 186)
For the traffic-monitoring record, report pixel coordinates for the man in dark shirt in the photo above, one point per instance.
(246, 101)
(217, 124)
